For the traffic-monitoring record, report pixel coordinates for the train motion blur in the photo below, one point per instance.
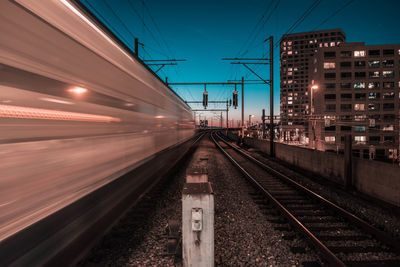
(77, 110)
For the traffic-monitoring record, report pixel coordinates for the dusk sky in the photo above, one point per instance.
(203, 32)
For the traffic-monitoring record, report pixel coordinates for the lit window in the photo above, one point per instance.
(332, 43)
(290, 73)
(330, 139)
(388, 95)
(374, 95)
(360, 139)
(388, 128)
(329, 65)
(360, 85)
(289, 43)
(290, 69)
(360, 117)
(290, 98)
(374, 74)
(373, 106)
(372, 85)
(388, 63)
(373, 64)
(289, 52)
(290, 102)
(388, 85)
(360, 53)
(359, 107)
(325, 44)
(320, 45)
(359, 128)
(388, 73)
(311, 42)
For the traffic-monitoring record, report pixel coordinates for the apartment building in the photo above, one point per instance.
(296, 54)
(355, 90)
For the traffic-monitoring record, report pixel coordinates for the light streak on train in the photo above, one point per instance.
(8, 111)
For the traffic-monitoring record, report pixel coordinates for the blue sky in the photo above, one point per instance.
(203, 32)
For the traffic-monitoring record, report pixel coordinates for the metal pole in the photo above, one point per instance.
(263, 123)
(221, 121)
(242, 107)
(227, 121)
(137, 47)
(271, 100)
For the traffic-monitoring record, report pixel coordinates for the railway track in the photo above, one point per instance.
(342, 238)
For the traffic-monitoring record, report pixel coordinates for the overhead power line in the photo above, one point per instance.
(297, 23)
(267, 17)
(144, 24)
(333, 14)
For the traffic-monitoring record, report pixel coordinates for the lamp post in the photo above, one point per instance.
(314, 87)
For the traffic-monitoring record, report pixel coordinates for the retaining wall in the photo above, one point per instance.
(377, 179)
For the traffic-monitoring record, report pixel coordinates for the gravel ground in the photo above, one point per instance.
(243, 235)
(381, 218)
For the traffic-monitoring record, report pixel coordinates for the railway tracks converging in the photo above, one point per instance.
(342, 238)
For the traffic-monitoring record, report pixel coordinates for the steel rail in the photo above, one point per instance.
(330, 257)
(378, 234)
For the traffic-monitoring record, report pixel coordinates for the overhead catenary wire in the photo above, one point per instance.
(260, 28)
(144, 24)
(333, 14)
(178, 69)
(267, 17)
(120, 21)
(110, 25)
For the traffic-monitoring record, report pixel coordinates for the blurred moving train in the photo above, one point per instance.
(77, 110)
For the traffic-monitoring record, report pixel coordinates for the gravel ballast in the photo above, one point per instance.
(243, 235)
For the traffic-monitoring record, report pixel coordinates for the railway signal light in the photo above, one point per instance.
(205, 99)
(235, 99)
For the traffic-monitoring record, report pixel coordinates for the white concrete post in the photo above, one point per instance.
(198, 224)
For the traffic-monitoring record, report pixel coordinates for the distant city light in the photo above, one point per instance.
(78, 90)
(314, 87)
(159, 117)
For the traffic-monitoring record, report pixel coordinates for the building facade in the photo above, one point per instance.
(355, 90)
(296, 54)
